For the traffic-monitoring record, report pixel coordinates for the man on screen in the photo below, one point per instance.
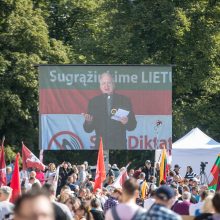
(99, 116)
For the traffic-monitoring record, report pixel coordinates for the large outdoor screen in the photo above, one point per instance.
(128, 106)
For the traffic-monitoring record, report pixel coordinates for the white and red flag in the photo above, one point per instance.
(123, 176)
(3, 180)
(29, 160)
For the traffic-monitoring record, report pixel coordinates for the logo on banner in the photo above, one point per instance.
(65, 140)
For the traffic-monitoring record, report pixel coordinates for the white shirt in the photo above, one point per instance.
(5, 208)
(195, 209)
(148, 203)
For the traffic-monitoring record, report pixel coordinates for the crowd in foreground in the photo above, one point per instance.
(142, 195)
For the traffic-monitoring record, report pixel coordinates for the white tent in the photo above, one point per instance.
(192, 149)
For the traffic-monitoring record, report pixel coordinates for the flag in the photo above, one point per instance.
(215, 175)
(56, 179)
(29, 160)
(3, 180)
(15, 180)
(122, 177)
(41, 155)
(100, 168)
(143, 189)
(163, 166)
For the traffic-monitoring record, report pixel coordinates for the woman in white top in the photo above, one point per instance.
(50, 174)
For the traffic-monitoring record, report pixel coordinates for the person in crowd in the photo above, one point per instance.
(170, 178)
(141, 178)
(176, 198)
(29, 184)
(187, 189)
(189, 173)
(50, 173)
(88, 183)
(162, 182)
(176, 171)
(113, 200)
(207, 210)
(195, 193)
(110, 171)
(34, 174)
(24, 178)
(164, 197)
(64, 171)
(115, 170)
(40, 176)
(69, 202)
(180, 186)
(148, 170)
(33, 205)
(64, 195)
(128, 209)
(143, 186)
(137, 173)
(83, 213)
(96, 209)
(99, 116)
(6, 207)
(82, 175)
(152, 184)
(148, 202)
(182, 208)
(75, 170)
(72, 182)
(82, 194)
(8, 174)
(195, 209)
(216, 205)
(190, 184)
(86, 164)
(61, 211)
(102, 195)
(131, 173)
(110, 181)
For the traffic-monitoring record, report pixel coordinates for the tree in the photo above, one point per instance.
(24, 42)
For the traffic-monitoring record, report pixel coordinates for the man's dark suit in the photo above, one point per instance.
(112, 132)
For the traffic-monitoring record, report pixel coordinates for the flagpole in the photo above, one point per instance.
(156, 129)
(106, 160)
(3, 140)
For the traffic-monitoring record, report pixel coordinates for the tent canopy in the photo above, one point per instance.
(192, 149)
(195, 139)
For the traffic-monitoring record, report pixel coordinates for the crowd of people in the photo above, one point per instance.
(142, 195)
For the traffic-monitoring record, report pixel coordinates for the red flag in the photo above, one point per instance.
(15, 180)
(3, 180)
(100, 168)
(29, 160)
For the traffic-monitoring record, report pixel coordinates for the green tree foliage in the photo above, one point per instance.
(183, 33)
(24, 42)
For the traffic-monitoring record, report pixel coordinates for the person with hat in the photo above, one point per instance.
(5, 206)
(176, 171)
(164, 198)
(148, 170)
